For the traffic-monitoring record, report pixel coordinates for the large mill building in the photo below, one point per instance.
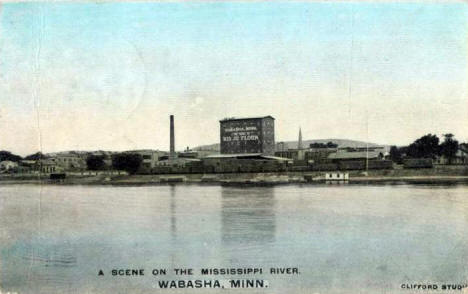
(248, 135)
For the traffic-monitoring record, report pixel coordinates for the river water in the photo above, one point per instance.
(342, 239)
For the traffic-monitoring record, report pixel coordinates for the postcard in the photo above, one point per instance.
(234, 147)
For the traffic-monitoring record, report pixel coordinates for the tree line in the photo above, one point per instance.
(428, 146)
(129, 162)
(323, 145)
(7, 155)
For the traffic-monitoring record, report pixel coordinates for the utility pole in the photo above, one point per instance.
(367, 142)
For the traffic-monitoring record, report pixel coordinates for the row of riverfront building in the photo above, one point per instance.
(245, 145)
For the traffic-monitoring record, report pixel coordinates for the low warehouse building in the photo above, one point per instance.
(245, 162)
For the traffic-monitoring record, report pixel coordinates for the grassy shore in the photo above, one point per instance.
(437, 174)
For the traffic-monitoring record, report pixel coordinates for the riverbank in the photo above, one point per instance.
(434, 175)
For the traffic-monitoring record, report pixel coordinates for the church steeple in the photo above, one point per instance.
(299, 142)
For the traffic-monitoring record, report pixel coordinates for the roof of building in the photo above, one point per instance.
(245, 118)
(47, 162)
(143, 151)
(179, 160)
(232, 155)
(246, 156)
(277, 158)
(358, 149)
(463, 147)
(354, 155)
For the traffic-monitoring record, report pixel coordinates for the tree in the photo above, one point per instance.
(425, 147)
(7, 155)
(129, 162)
(331, 145)
(323, 145)
(95, 162)
(449, 147)
(35, 156)
(395, 154)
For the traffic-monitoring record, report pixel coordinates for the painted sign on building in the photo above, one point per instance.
(248, 135)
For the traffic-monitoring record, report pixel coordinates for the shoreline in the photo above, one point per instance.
(280, 178)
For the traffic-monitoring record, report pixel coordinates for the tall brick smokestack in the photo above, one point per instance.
(172, 139)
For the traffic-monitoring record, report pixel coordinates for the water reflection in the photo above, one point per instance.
(248, 215)
(173, 213)
(344, 239)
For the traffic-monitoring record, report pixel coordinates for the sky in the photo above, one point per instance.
(88, 76)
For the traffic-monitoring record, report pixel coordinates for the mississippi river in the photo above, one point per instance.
(317, 238)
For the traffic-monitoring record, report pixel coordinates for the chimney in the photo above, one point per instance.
(299, 142)
(172, 139)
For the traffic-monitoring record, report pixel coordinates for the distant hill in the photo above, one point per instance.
(306, 143)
